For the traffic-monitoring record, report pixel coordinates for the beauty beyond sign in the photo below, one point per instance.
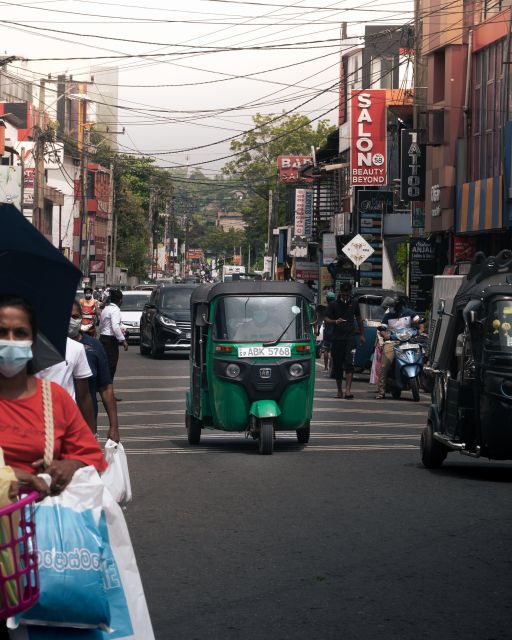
(368, 150)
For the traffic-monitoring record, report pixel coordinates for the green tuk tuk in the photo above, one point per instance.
(252, 360)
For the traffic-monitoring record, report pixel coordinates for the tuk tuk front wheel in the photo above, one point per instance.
(433, 453)
(303, 434)
(266, 437)
(193, 429)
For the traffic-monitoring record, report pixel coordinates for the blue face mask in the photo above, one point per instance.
(14, 355)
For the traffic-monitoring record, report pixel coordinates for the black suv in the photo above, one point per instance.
(165, 321)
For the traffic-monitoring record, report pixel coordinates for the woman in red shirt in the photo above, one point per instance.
(22, 426)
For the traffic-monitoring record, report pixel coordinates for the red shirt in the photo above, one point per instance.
(22, 431)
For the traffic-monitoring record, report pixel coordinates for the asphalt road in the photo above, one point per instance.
(345, 538)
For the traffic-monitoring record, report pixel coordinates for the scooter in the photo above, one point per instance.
(408, 364)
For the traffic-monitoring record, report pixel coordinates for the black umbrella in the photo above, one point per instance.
(32, 267)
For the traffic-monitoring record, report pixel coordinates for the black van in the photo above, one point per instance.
(165, 321)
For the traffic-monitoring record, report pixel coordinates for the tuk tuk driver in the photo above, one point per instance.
(262, 327)
(397, 317)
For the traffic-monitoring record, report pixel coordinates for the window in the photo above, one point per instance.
(487, 117)
(439, 76)
(491, 7)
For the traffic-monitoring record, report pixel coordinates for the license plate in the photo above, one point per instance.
(264, 352)
(187, 336)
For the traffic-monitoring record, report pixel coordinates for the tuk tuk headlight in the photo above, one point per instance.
(296, 370)
(232, 370)
(168, 322)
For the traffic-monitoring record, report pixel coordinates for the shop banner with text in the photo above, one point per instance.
(368, 131)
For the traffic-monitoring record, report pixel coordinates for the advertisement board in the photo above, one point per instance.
(412, 167)
(300, 212)
(371, 207)
(422, 267)
(329, 248)
(306, 271)
(288, 168)
(97, 266)
(368, 131)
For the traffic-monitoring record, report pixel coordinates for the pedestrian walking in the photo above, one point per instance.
(100, 381)
(72, 374)
(342, 314)
(90, 311)
(111, 335)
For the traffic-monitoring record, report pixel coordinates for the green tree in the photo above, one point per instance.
(256, 163)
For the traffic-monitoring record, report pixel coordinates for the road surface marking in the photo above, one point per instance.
(300, 448)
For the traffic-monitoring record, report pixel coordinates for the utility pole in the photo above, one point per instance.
(38, 208)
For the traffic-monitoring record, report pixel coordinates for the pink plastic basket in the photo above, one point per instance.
(19, 576)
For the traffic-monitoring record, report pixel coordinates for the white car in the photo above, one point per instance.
(131, 310)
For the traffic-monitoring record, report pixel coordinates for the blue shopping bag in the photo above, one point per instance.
(70, 552)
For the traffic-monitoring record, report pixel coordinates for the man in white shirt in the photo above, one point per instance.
(73, 375)
(111, 335)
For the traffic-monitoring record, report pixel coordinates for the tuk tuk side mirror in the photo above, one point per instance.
(202, 316)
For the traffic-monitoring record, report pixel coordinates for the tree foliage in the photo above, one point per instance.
(256, 163)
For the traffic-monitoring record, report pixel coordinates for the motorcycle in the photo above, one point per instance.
(408, 363)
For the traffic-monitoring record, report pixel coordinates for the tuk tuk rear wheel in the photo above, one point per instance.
(194, 427)
(415, 388)
(303, 434)
(266, 437)
(433, 453)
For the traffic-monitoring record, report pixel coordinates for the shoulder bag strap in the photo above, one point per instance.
(48, 422)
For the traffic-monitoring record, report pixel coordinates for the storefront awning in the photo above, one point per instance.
(480, 206)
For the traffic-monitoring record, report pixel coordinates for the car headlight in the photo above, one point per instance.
(168, 322)
(232, 371)
(296, 370)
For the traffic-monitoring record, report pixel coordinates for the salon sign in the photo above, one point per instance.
(368, 133)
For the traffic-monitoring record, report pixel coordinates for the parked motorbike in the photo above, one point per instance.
(408, 363)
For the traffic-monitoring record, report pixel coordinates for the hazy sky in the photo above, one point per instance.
(190, 98)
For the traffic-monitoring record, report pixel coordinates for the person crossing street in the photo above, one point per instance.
(342, 314)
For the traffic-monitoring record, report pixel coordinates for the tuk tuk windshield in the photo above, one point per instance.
(261, 319)
(499, 325)
(371, 309)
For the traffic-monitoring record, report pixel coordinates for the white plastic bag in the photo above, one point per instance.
(117, 477)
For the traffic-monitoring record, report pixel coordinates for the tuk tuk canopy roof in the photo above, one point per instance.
(492, 271)
(206, 292)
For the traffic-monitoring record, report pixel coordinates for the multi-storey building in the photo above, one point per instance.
(468, 126)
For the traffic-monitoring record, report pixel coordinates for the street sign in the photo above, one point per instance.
(358, 250)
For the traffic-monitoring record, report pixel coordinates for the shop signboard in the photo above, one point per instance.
(371, 207)
(306, 271)
(422, 264)
(369, 137)
(329, 248)
(300, 212)
(464, 248)
(308, 213)
(288, 168)
(97, 266)
(412, 167)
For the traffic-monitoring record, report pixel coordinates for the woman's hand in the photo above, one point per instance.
(61, 472)
(113, 434)
(29, 480)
